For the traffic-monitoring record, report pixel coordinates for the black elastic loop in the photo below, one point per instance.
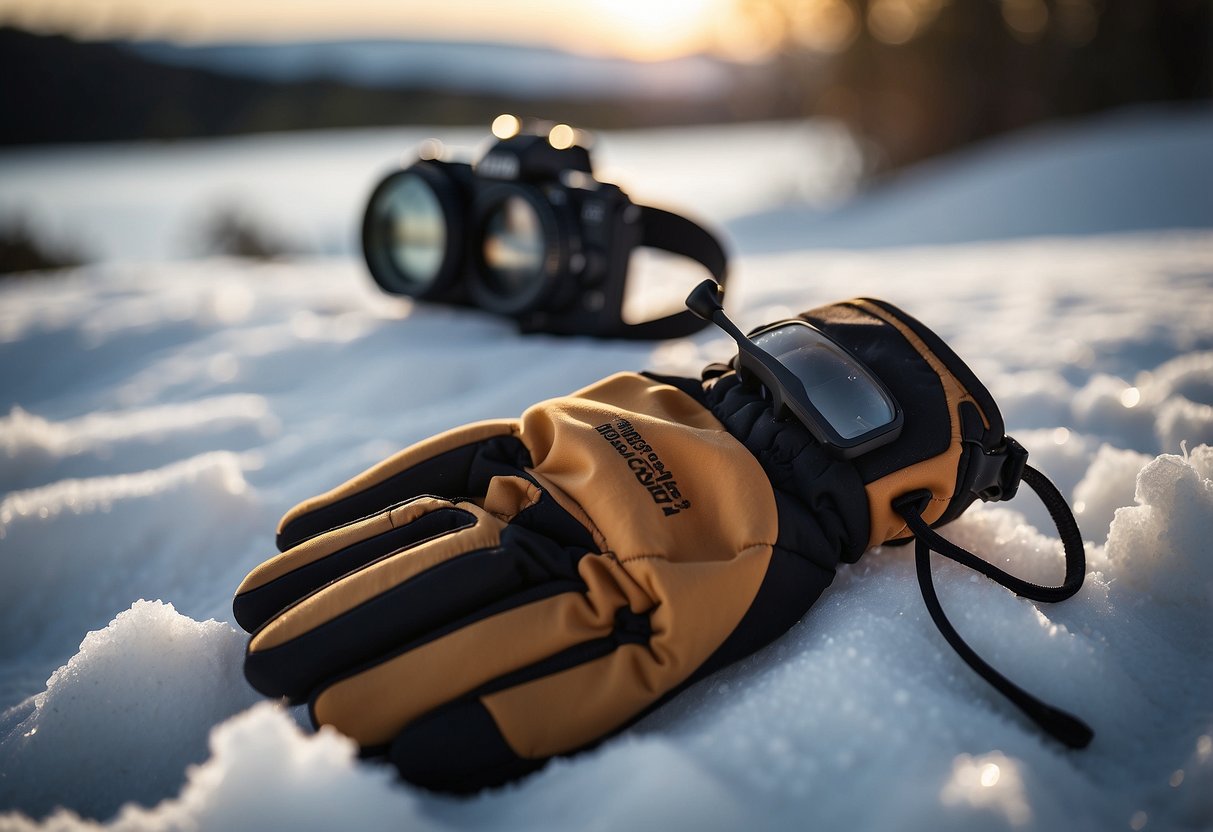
(1067, 529)
(1064, 727)
(677, 235)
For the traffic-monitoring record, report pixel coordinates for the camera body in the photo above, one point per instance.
(527, 232)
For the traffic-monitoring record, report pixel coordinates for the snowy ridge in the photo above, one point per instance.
(161, 417)
(38, 450)
(456, 67)
(164, 678)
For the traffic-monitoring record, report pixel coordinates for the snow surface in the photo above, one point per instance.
(161, 415)
(148, 202)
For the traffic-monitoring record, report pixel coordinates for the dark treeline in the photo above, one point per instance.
(921, 77)
(59, 90)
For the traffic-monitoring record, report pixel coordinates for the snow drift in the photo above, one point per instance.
(156, 419)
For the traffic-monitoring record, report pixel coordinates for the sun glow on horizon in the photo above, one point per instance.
(637, 29)
(654, 29)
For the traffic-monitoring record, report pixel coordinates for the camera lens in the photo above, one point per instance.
(520, 252)
(407, 232)
(414, 229)
(514, 248)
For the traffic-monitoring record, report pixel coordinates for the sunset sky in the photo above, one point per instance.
(644, 29)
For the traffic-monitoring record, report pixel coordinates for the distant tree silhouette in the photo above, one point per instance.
(919, 77)
(22, 251)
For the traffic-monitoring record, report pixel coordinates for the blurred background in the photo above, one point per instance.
(104, 102)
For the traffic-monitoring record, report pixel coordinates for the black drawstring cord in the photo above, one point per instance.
(1063, 726)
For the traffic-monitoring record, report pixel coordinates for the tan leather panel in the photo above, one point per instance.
(660, 485)
(324, 545)
(697, 605)
(507, 496)
(937, 474)
(407, 686)
(356, 588)
(407, 458)
(538, 720)
(640, 394)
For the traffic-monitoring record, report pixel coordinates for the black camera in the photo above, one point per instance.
(527, 232)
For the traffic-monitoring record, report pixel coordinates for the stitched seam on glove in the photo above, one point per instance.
(740, 552)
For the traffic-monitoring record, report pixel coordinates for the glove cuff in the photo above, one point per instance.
(826, 496)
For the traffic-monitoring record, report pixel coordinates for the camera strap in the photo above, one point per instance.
(678, 235)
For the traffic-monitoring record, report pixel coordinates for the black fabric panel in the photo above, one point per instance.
(461, 472)
(548, 518)
(823, 508)
(916, 387)
(821, 501)
(457, 748)
(958, 368)
(791, 586)
(252, 609)
(458, 592)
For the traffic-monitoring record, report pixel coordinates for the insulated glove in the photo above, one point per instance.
(512, 590)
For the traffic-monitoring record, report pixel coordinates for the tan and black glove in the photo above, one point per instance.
(512, 590)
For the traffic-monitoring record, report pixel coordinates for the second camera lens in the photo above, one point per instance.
(519, 254)
(514, 247)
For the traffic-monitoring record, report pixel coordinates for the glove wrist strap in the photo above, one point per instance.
(1062, 726)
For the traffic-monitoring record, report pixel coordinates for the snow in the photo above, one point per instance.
(163, 679)
(1142, 173)
(148, 201)
(158, 414)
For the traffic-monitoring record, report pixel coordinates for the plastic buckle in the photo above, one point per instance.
(995, 475)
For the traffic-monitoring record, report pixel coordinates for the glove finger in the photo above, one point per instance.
(483, 565)
(373, 703)
(296, 573)
(456, 464)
